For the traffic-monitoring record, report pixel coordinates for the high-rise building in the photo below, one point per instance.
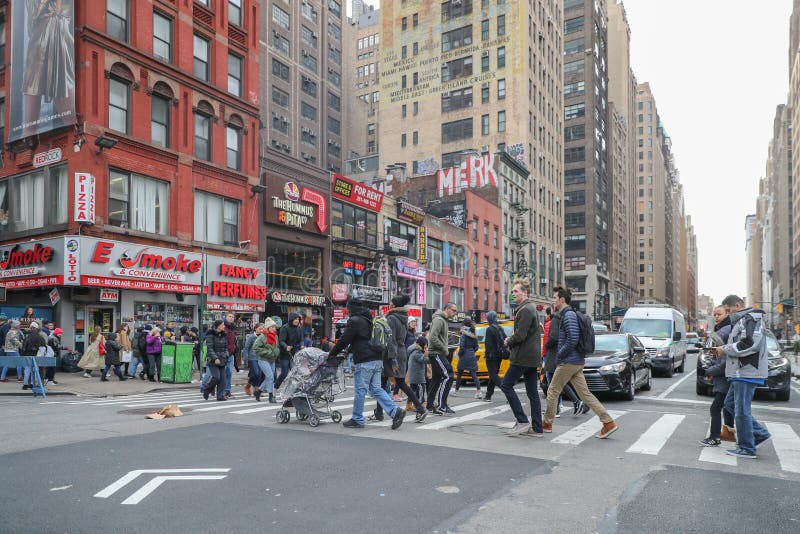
(690, 292)
(653, 183)
(622, 162)
(752, 249)
(301, 80)
(468, 77)
(362, 97)
(587, 191)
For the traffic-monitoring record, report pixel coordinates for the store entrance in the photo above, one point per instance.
(99, 320)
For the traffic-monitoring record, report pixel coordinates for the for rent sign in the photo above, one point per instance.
(356, 193)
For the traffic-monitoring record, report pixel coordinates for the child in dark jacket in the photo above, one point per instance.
(113, 349)
(717, 370)
(418, 367)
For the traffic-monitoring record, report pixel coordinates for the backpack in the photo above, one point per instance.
(586, 335)
(141, 342)
(382, 337)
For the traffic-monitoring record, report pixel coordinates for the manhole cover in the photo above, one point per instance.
(479, 430)
(145, 411)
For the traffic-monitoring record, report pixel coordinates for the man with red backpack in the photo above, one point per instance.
(570, 361)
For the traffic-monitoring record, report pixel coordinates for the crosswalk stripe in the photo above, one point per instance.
(176, 401)
(141, 399)
(585, 430)
(450, 421)
(229, 405)
(277, 407)
(654, 438)
(124, 398)
(787, 446)
(717, 455)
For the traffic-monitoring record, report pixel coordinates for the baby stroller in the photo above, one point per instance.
(312, 384)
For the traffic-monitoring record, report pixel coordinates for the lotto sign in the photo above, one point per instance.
(473, 172)
(84, 197)
(72, 266)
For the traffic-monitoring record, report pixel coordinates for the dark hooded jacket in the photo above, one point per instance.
(551, 343)
(525, 343)
(112, 349)
(494, 338)
(717, 369)
(398, 355)
(290, 338)
(356, 335)
(32, 342)
(217, 344)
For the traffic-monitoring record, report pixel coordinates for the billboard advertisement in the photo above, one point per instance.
(42, 96)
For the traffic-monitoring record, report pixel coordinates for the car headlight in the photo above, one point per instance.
(614, 367)
(777, 362)
(663, 353)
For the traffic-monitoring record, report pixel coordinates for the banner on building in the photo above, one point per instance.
(410, 213)
(85, 197)
(356, 193)
(422, 253)
(42, 95)
(473, 172)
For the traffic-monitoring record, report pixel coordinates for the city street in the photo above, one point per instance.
(237, 466)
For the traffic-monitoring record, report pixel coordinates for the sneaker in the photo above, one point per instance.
(54, 382)
(27, 386)
(454, 393)
(710, 442)
(3, 379)
(487, 399)
(421, 416)
(584, 409)
(436, 411)
(478, 395)
(519, 429)
(375, 417)
(205, 395)
(352, 424)
(728, 434)
(741, 453)
(85, 375)
(762, 441)
(396, 398)
(448, 411)
(608, 429)
(558, 410)
(576, 407)
(228, 395)
(397, 420)
(531, 433)
(547, 429)
(48, 382)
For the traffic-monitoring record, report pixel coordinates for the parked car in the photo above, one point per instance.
(600, 328)
(780, 372)
(662, 330)
(619, 364)
(692, 342)
(480, 332)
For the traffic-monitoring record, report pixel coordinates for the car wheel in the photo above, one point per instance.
(783, 395)
(683, 365)
(630, 393)
(701, 389)
(670, 368)
(648, 385)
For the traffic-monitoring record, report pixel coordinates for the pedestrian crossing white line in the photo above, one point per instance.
(655, 437)
(450, 421)
(229, 405)
(717, 455)
(582, 432)
(279, 406)
(175, 396)
(787, 446)
(167, 400)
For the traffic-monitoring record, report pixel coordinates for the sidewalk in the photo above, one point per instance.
(76, 384)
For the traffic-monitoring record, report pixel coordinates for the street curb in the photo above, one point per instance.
(27, 393)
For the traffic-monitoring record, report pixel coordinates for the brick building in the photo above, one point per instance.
(143, 191)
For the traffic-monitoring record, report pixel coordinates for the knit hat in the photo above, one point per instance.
(412, 320)
(269, 323)
(58, 331)
(277, 320)
(14, 323)
(34, 324)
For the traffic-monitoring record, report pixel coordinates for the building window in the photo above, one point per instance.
(484, 62)
(202, 136)
(309, 61)
(484, 30)
(574, 89)
(485, 93)
(162, 36)
(457, 130)
(403, 111)
(496, 238)
(281, 98)
(306, 110)
(118, 104)
(457, 38)
(235, 12)
(501, 57)
(309, 87)
(309, 37)
(402, 140)
(117, 19)
(574, 111)
(485, 233)
(233, 141)
(335, 78)
(235, 74)
(435, 255)
(34, 200)
(501, 89)
(404, 23)
(501, 121)
(454, 100)
(457, 68)
(353, 223)
(458, 260)
(574, 154)
(201, 57)
(281, 44)
(485, 124)
(475, 230)
(138, 202)
(334, 102)
(334, 31)
(309, 11)
(573, 25)
(216, 219)
(281, 17)
(334, 126)
(159, 120)
(415, 138)
(280, 70)
(336, 9)
(501, 25)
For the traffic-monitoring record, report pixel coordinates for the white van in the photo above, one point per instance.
(662, 330)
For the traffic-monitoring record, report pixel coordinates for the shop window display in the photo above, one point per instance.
(158, 314)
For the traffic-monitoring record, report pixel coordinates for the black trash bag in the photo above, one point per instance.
(69, 362)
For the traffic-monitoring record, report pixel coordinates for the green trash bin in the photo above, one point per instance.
(168, 362)
(183, 362)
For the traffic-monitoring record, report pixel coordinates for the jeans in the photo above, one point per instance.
(348, 365)
(493, 366)
(285, 365)
(216, 381)
(229, 372)
(368, 376)
(530, 376)
(748, 430)
(135, 361)
(5, 369)
(410, 393)
(154, 365)
(117, 370)
(268, 373)
(718, 413)
(573, 374)
(254, 377)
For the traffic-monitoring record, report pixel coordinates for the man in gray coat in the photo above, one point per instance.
(526, 359)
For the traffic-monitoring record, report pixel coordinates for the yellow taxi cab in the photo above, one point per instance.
(480, 332)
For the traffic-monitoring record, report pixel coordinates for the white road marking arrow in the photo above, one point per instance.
(148, 488)
(130, 476)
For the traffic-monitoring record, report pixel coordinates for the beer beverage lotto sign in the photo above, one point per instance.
(119, 265)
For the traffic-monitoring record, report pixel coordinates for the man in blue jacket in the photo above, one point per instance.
(569, 367)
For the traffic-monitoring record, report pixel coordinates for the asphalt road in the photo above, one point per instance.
(448, 475)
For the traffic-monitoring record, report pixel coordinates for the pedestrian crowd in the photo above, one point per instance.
(29, 336)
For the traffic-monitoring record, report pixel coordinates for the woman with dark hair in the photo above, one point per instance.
(27, 318)
(396, 362)
(467, 361)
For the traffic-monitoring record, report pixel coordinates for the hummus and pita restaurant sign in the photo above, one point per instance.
(356, 193)
(474, 172)
(297, 206)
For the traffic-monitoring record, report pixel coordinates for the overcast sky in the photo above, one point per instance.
(718, 69)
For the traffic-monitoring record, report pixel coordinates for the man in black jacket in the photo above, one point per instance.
(216, 359)
(290, 340)
(368, 363)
